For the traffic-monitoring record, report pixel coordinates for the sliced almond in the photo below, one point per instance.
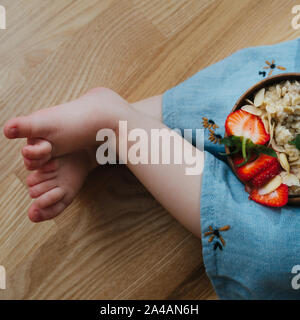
(278, 90)
(249, 101)
(283, 174)
(293, 158)
(276, 147)
(271, 128)
(271, 186)
(295, 163)
(284, 162)
(259, 97)
(266, 124)
(290, 180)
(252, 110)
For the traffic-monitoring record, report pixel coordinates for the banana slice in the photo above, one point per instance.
(271, 186)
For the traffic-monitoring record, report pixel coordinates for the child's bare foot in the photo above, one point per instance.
(60, 147)
(55, 185)
(66, 128)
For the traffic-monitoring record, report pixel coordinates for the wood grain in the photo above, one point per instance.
(115, 241)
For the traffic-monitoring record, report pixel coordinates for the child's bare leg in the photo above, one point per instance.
(60, 130)
(178, 192)
(151, 107)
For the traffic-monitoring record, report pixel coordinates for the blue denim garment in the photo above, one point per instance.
(263, 243)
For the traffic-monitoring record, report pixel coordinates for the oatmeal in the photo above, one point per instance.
(278, 106)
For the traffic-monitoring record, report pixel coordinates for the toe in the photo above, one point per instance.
(48, 205)
(39, 215)
(20, 127)
(43, 187)
(50, 166)
(49, 198)
(24, 127)
(37, 149)
(36, 164)
(38, 177)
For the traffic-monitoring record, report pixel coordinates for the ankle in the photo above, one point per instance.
(110, 107)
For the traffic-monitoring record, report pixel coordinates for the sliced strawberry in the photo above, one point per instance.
(251, 169)
(244, 124)
(266, 175)
(277, 198)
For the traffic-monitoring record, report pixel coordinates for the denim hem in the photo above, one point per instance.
(208, 218)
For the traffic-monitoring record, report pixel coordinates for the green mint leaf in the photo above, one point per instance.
(296, 141)
(237, 141)
(266, 150)
(246, 147)
(244, 151)
(232, 141)
(245, 161)
(227, 141)
(229, 154)
(251, 145)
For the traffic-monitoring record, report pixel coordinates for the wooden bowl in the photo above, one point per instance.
(249, 94)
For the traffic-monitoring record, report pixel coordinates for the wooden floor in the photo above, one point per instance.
(115, 241)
